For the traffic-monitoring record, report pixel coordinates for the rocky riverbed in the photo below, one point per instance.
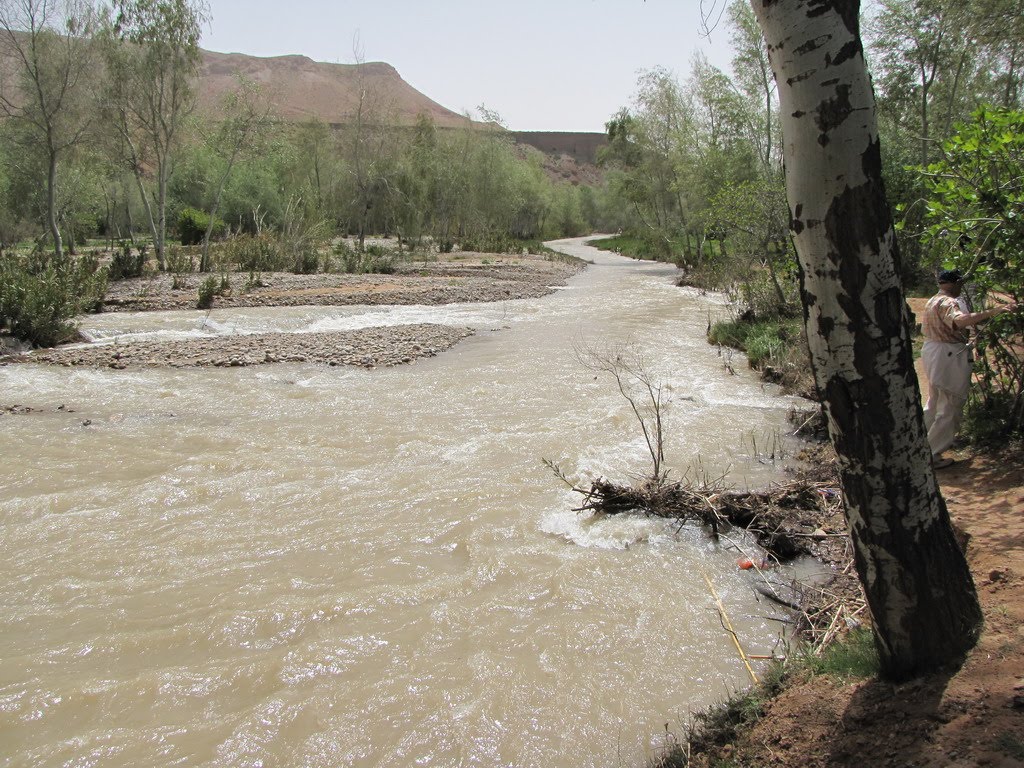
(464, 278)
(367, 347)
(468, 277)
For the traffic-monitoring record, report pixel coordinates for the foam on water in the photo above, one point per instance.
(303, 565)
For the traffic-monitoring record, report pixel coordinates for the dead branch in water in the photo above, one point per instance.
(645, 395)
(791, 519)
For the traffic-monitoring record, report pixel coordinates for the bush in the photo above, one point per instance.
(764, 341)
(179, 261)
(992, 415)
(125, 264)
(307, 262)
(375, 259)
(39, 298)
(192, 225)
(491, 242)
(208, 289)
(256, 253)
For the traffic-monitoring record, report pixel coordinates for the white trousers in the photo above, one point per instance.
(948, 367)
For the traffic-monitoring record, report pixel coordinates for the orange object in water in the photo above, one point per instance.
(745, 564)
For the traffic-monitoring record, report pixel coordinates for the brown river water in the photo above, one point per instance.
(296, 565)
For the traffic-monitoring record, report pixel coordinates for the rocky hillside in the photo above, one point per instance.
(302, 88)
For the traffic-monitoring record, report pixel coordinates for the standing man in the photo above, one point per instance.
(947, 360)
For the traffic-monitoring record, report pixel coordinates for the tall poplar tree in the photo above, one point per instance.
(916, 579)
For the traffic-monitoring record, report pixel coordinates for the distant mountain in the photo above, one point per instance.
(302, 88)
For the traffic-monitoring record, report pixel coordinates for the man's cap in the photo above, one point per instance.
(950, 276)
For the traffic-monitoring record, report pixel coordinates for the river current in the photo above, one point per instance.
(296, 565)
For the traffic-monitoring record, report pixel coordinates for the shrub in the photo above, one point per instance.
(256, 253)
(125, 264)
(375, 259)
(179, 261)
(192, 224)
(208, 289)
(491, 242)
(39, 298)
(307, 262)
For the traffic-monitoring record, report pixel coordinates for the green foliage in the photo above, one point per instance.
(975, 220)
(492, 242)
(255, 253)
(39, 298)
(192, 225)
(374, 259)
(179, 261)
(644, 245)
(765, 341)
(853, 656)
(208, 290)
(125, 264)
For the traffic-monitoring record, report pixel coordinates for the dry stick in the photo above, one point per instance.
(727, 625)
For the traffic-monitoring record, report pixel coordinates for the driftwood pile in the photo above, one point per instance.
(800, 517)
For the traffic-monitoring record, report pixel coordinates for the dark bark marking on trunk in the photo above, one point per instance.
(799, 113)
(832, 112)
(812, 45)
(847, 52)
(802, 76)
(847, 10)
(795, 225)
(826, 325)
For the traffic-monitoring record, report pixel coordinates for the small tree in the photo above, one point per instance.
(49, 41)
(152, 57)
(975, 220)
(246, 115)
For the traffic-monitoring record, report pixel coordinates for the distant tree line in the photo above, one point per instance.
(695, 164)
(695, 168)
(100, 138)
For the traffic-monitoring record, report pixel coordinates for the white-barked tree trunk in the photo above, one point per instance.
(918, 586)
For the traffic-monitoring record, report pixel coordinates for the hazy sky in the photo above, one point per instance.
(559, 65)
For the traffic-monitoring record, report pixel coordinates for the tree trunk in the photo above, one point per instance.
(204, 259)
(918, 586)
(159, 242)
(51, 208)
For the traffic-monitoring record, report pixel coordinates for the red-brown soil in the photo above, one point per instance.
(974, 717)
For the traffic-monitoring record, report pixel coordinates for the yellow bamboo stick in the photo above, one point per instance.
(728, 626)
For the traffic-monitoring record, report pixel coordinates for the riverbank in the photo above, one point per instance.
(448, 279)
(972, 717)
(969, 717)
(463, 277)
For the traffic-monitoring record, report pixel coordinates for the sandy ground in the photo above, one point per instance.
(973, 717)
(466, 277)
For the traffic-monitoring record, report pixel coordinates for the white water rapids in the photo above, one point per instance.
(296, 565)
